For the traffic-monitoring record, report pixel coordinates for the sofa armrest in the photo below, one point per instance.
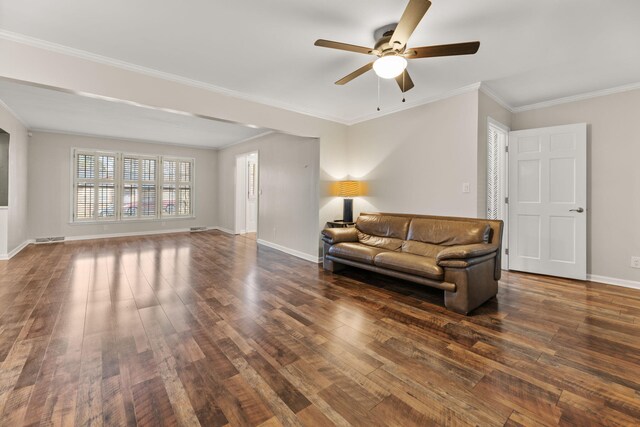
(465, 251)
(339, 235)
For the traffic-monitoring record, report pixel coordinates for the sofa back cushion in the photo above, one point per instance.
(382, 231)
(444, 232)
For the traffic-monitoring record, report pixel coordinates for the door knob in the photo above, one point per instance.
(579, 210)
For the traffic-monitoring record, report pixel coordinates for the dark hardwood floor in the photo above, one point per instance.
(205, 328)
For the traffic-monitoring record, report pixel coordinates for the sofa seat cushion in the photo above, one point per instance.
(388, 243)
(410, 263)
(421, 248)
(355, 252)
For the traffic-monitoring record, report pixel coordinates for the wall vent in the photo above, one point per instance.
(195, 229)
(50, 239)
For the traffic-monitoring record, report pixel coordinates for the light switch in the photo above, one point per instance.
(465, 187)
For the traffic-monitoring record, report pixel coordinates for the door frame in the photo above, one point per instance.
(504, 177)
(240, 192)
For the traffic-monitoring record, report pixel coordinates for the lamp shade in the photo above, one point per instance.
(389, 67)
(349, 188)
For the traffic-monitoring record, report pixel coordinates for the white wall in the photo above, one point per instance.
(487, 107)
(14, 225)
(415, 161)
(50, 186)
(288, 190)
(613, 153)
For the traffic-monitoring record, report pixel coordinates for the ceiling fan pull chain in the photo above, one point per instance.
(378, 93)
(403, 74)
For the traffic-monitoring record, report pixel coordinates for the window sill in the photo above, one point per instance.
(131, 221)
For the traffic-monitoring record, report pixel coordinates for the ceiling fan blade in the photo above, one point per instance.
(343, 46)
(356, 73)
(407, 83)
(468, 48)
(411, 17)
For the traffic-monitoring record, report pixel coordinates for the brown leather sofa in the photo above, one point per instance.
(458, 255)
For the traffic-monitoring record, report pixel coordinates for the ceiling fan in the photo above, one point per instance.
(392, 51)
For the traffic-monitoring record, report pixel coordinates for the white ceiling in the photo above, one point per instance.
(52, 110)
(530, 51)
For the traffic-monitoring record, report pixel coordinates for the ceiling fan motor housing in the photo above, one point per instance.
(383, 37)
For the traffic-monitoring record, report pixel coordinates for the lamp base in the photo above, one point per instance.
(347, 210)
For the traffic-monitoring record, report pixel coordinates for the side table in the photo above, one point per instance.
(338, 223)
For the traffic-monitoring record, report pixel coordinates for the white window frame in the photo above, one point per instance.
(140, 182)
(120, 182)
(178, 182)
(96, 181)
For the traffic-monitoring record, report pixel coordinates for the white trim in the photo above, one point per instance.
(224, 230)
(614, 281)
(15, 251)
(17, 117)
(494, 122)
(82, 54)
(579, 97)
(409, 105)
(491, 94)
(290, 251)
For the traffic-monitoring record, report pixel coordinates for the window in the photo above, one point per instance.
(120, 186)
(176, 187)
(139, 177)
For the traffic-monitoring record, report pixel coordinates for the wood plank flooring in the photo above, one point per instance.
(209, 329)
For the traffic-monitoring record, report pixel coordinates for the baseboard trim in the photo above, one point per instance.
(224, 230)
(290, 251)
(15, 251)
(614, 281)
(128, 234)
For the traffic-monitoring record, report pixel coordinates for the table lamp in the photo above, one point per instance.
(348, 190)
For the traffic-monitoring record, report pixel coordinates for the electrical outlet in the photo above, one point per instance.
(635, 262)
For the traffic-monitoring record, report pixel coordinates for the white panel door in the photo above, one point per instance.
(548, 201)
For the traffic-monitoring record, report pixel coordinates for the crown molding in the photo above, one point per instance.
(491, 94)
(579, 97)
(409, 105)
(54, 47)
(82, 54)
(14, 114)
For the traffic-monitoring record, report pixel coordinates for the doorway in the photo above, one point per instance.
(247, 177)
(498, 180)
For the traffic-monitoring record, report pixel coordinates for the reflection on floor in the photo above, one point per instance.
(250, 236)
(209, 328)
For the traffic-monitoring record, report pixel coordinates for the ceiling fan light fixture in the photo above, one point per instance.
(389, 67)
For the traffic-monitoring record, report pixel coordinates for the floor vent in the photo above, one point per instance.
(195, 229)
(50, 239)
